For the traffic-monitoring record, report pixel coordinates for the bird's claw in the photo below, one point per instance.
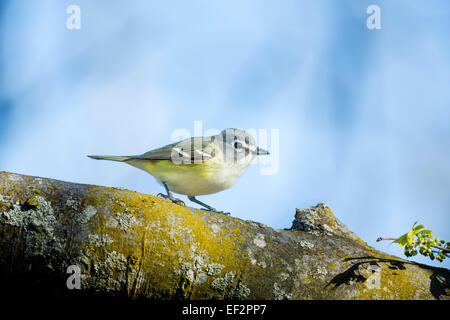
(174, 200)
(178, 201)
(217, 211)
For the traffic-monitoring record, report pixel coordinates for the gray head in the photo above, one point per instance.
(240, 145)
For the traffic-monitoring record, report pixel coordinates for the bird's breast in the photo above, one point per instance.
(193, 179)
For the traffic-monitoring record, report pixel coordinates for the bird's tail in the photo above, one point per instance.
(112, 158)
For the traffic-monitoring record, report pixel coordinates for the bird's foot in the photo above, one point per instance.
(171, 198)
(207, 207)
(162, 195)
(223, 212)
(217, 211)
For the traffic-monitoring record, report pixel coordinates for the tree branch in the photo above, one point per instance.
(133, 245)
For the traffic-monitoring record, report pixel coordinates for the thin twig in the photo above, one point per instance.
(381, 239)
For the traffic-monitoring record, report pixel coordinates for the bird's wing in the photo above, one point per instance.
(196, 149)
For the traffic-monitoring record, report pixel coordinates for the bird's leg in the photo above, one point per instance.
(170, 196)
(206, 206)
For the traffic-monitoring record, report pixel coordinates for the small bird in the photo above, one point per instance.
(199, 165)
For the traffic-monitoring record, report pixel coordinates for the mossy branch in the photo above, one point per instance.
(138, 246)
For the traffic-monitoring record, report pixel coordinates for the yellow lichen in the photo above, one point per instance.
(164, 236)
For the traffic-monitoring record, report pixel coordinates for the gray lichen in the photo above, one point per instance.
(220, 284)
(187, 271)
(306, 244)
(320, 220)
(229, 288)
(259, 240)
(125, 221)
(213, 269)
(239, 292)
(114, 262)
(39, 216)
(278, 293)
(110, 272)
(86, 214)
(101, 240)
(73, 204)
(37, 219)
(305, 220)
(197, 271)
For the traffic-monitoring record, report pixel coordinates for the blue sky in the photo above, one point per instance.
(363, 115)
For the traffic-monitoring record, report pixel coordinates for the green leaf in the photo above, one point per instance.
(410, 235)
(426, 232)
(416, 229)
(402, 240)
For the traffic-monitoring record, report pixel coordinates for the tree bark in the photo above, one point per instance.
(137, 246)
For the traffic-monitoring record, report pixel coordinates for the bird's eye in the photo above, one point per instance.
(247, 140)
(237, 145)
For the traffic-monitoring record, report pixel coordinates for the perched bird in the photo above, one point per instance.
(199, 165)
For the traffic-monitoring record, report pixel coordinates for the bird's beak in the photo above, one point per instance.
(261, 151)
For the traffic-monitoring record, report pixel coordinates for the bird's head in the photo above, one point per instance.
(239, 145)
